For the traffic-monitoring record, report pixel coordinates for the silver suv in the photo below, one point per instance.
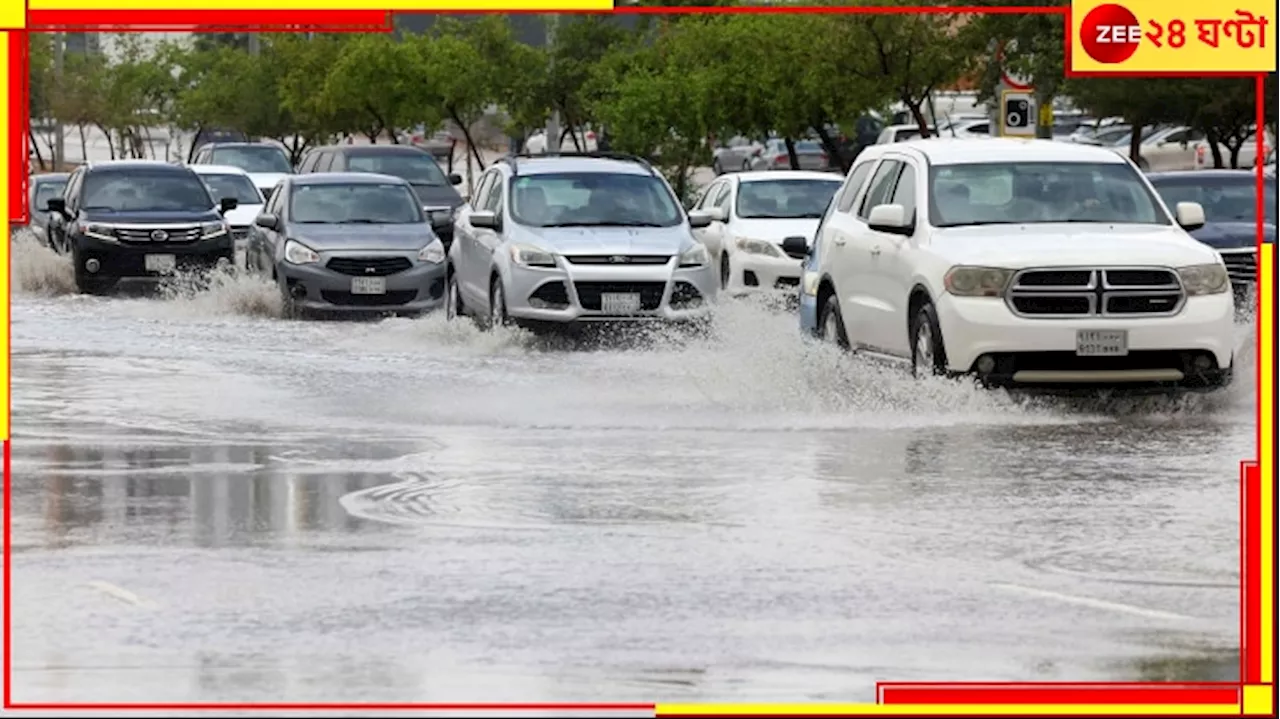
(560, 239)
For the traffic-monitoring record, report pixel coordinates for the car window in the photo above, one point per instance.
(418, 168)
(493, 202)
(857, 177)
(905, 192)
(238, 186)
(72, 193)
(881, 186)
(785, 198)
(708, 195)
(593, 198)
(355, 203)
(139, 191)
(1037, 192)
(1223, 201)
(252, 158)
(45, 191)
(275, 203)
(722, 197)
(482, 190)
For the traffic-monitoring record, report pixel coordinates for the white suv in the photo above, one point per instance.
(1024, 263)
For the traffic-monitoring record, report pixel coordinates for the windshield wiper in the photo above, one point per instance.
(985, 222)
(362, 221)
(99, 208)
(604, 224)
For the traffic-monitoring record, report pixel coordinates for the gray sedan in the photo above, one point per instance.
(43, 187)
(349, 242)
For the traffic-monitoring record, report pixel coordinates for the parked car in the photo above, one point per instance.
(774, 156)
(735, 155)
(1246, 159)
(1166, 149)
(210, 135)
(902, 133)
(40, 189)
(1025, 264)
(1230, 202)
(227, 181)
(138, 219)
(564, 239)
(752, 215)
(435, 190)
(536, 143)
(351, 243)
(266, 164)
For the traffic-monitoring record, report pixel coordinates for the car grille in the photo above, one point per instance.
(1111, 291)
(551, 294)
(650, 293)
(188, 233)
(398, 297)
(369, 266)
(1242, 265)
(618, 259)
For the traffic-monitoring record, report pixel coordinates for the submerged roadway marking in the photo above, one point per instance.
(1096, 603)
(122, 594)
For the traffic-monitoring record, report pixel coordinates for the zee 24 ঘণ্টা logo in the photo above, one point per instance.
(1111, 33)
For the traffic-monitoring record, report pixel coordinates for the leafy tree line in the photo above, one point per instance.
(660, 90)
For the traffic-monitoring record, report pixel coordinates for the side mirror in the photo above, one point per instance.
(227, 204)
(796, 247)
(455, 179)
(699, 219)
(56, 204)
(269, 221)
(1190, 215)
(441, 220)
(889, 218)
(486, 220)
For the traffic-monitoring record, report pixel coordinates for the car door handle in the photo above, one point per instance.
(875, 250)
(839, 241)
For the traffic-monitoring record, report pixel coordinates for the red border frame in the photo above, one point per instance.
(1207, 694)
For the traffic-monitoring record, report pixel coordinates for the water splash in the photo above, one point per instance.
(35, 269)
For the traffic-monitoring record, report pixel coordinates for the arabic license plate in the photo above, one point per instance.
(1102, 343)
(164, 264)
(619, 303)
(368, 285)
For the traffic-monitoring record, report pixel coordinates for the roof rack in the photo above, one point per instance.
(513, 159)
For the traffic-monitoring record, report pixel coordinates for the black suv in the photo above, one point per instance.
(433, 187)
(137, 219)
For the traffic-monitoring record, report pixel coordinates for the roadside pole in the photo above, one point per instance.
(59, 140)
(553, 124)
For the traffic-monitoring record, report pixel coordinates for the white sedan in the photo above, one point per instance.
(753, 214)
(227, 181)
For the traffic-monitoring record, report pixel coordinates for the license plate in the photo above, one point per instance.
(1102, 343)
(619, 303)
(164, 264)
(368, 286)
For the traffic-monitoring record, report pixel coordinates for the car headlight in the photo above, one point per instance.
(99, 232)
(695, 256)
(1204, 279)
(531, 256)
(758, 247)
(810, 282)
(433, 253)
(299, 254)
(209, 230)
(977, 281)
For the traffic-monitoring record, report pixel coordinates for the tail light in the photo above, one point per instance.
(781, 160)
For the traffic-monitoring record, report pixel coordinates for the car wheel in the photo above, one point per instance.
(716, 167)
(831, 324)
(87, 284)
(452, 298)
(726, 272)
(497, 305)
(928, 356)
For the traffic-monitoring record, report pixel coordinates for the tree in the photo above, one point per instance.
(379, 82)
(580, 44)
(40, 90)
(80, 99)
(306, 61)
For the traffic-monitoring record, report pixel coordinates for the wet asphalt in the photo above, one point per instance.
(214, 504)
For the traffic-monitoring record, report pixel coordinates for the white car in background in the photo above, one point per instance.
(227, 181)
(1167, 149)
(267, 163)
(1246, 160)
(902, 133)
(1024, 263)
(537, 143)
(761, 225)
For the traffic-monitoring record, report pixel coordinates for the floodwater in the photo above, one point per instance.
(214, 504)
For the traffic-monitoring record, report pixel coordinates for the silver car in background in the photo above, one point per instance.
(349, 242)
(568, 238)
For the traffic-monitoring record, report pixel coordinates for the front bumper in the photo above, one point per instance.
(420, 287)
(570, 293)
(126, 260)
(1042, 352)
(765, 272)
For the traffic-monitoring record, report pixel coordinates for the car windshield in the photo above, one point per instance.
(1038, 192)
(238, 186)
(363, 203)
(807, 147)
(1123, 138)
(417, 168)
(137, 191)
(252, 158)
(1234, 200)
(593, 198)
(785, 198)
(47, 190)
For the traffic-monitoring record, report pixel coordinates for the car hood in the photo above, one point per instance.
(323, 238)
(608, 240)
(775, 230)
(1058, 245)
(242, 215)
(1233, 235)
(266, 180)
(163, 217)
(438, 195)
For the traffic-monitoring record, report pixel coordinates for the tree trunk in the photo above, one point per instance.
(1234, 147)
(35, 146)
(111, 146)
(791, 153)
(1215, 147)
(833, 150)
(918, 117)
(84, 146)
(1135, 141)
(465, 127)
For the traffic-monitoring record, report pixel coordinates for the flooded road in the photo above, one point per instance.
(213, 504)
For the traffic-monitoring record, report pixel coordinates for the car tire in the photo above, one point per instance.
(87, 284)
(453, 307)
(497, 305)
(831, 323)
(716, 167)
(928, 354)
(726, 272)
